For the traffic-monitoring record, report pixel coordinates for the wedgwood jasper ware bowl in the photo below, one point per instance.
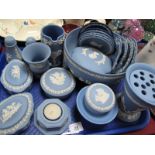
(80, 72)
(97, 104)
(15, 113)
(16, 77)
(139, 87)
(36, 55)
(52, 117)
(57, 82)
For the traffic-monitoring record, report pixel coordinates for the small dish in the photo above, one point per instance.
(16, 77)
(15, 113)
(100, 107)
(92, 59)
(57, 82)
(52, 117)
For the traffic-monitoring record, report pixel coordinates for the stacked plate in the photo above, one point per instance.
(97, 35)
(125, 52)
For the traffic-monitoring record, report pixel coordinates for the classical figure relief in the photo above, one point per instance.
(101, 95)
(15, 72)
(57, 78)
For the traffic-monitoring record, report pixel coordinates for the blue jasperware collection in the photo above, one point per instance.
(93, 55)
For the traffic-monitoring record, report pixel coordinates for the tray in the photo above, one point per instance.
(115, 127)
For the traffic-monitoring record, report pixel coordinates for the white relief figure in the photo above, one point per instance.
(9, 111)
(102, 61)
(57, 78)
(93, 55)
(15, 72)
(84, 51)
(101, 95)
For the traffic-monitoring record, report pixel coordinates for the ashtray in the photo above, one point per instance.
(57, 82)
(16, 77)
(97, 104)
(15, 113)
(92, 59)
(52, 117)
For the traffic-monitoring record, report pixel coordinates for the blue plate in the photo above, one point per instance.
(115, 127)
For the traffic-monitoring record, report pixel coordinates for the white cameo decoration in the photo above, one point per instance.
(9, 111)
(15, 72)
(84, 51)
(94, 55)
(101, 95)
(57, 78)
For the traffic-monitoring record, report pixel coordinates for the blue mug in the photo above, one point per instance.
(53, 36)
(139, 88)
(36, 55)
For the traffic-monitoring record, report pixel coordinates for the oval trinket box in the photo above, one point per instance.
(92, 59)
(16, 77)
(52, 117)
(15, 113)
(97, 104)
(57, 82)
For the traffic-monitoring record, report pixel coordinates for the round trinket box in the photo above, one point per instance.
(15, 113)
(16, 77)
(139, 87)
(97, 104)
(52, 117)
(92, 59)
(57, 82)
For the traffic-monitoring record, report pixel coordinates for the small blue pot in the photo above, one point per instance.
(139, 87)
(36, 55)
(53, 36)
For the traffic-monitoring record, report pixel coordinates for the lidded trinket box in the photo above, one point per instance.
(97, 104)
(52, 117)
(57, 82)
(15, 113)
(16, 77)
(92, 59)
